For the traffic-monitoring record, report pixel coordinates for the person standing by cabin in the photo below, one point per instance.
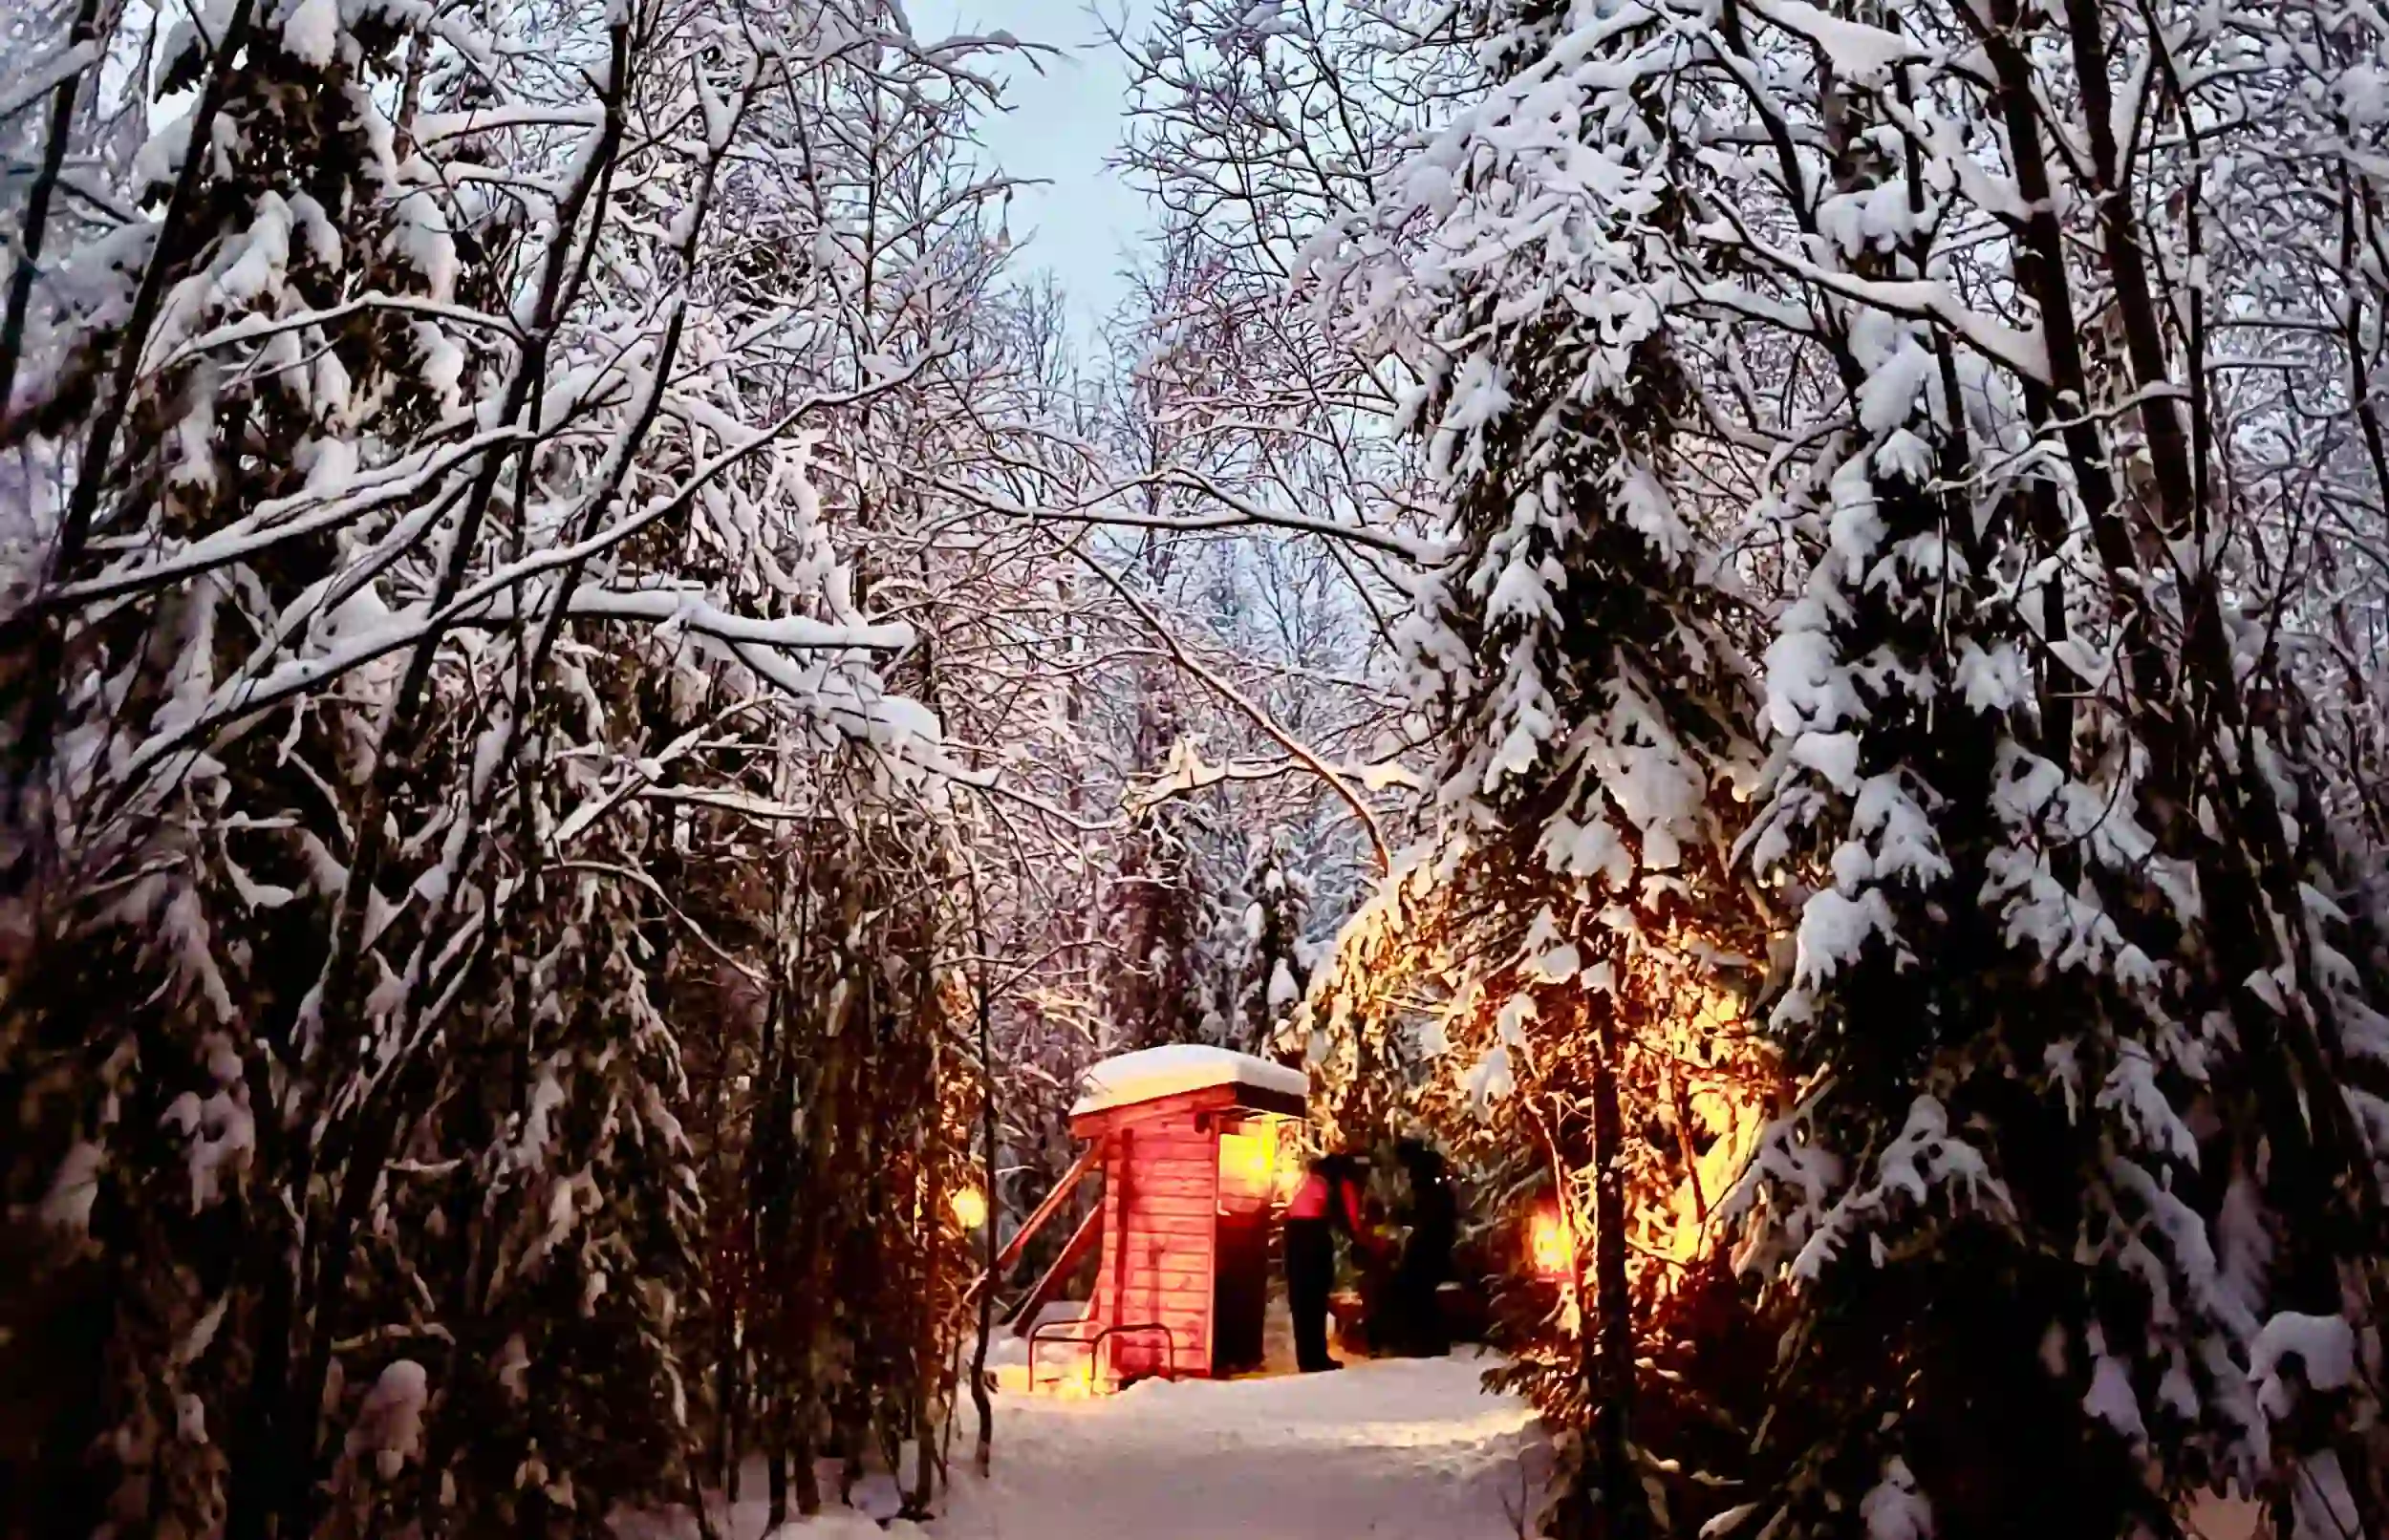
(1328, 1197)
(1434, 1218)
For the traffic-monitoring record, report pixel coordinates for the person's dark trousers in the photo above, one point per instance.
(1417, 1312)
(1310, 1270)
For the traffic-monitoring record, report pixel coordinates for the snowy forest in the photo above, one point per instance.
(1766, 619)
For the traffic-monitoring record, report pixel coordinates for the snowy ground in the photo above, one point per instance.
(1407, 1450)
(1401, 1450)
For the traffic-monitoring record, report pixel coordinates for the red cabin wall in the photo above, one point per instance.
(1161, 1199)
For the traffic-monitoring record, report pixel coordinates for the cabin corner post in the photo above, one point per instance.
(1117, 1238)
(1207, 1351)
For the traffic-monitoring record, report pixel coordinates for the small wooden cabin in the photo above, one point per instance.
(1190, 1141)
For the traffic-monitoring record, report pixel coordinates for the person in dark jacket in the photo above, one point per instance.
(1328, 1197)
(1434, 1218)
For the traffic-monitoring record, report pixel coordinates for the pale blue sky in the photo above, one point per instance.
(1061, 128)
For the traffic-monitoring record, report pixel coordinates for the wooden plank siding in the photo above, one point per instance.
(1161, 1194)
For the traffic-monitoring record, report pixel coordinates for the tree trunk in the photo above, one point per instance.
(1607, 1501)
(934, 1198)
(1626, 1514)
(84, 31)
(776, 1465)
(983, 1454)
(802, 1454)
(258, 1446)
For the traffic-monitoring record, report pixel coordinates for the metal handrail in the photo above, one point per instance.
(1094, 1343)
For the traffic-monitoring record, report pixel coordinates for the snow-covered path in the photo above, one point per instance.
(1403, 1450)
(1397, 1450)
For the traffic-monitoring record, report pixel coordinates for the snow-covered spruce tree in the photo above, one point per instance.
(1269, 963)
(1578, 656)
(1916, 792)
(1158, 924)
(2075, 1211)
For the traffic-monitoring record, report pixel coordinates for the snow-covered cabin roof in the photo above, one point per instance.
(1175, 1068)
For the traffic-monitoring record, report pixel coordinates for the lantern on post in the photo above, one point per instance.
(1246, 1159)
(1550, 1244)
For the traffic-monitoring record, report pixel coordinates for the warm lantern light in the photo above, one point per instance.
(969, 1207)
(1075, 1381)
(1245, 1163)
(1549, 1246)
